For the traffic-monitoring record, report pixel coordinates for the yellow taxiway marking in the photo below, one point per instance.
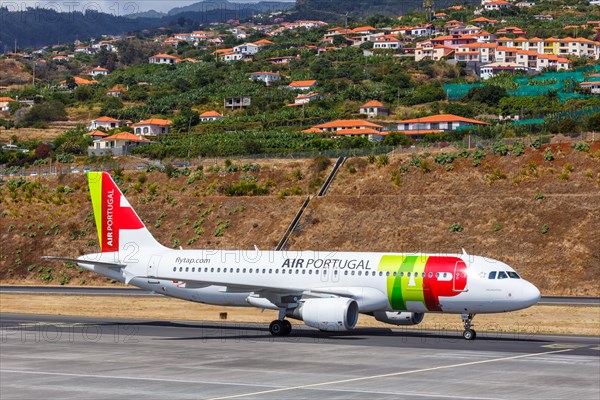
(364, 378)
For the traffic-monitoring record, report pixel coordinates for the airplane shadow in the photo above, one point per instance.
(248, 331)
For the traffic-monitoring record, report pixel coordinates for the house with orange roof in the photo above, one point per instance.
(492, 69)
(98, 71)
(5, 102)
(464, 30)
(116, 145)
(163, 59)
(302, 99)
(497, 5)
(152, 127)
(363, 30)
(435, 123)
(96, 134)
(352, 127)
(388, 42)
(116, 91)
(476, 52)
(452, 24)
(82, 81)
(592, 86)
(374, 109)
(303, 85)
(511, 30)
(104, 122)
(209, 116)
(481, 21)
(428, 51)
(551, 61)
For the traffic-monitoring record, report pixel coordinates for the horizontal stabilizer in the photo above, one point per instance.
(89, 262)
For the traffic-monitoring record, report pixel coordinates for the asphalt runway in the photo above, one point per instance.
(72, 358)
(129, 291)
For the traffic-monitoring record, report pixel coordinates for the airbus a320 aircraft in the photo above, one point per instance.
(326, 290)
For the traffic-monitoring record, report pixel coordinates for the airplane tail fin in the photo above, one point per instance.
(117, 223)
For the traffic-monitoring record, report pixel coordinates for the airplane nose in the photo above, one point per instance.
(530, 294)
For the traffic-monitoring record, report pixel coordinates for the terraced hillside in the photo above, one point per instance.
(538, 211)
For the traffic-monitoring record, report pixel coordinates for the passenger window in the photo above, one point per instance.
(492, 275)
(297, 271)
(502, 275)
(270, 271)
(180, 269)
(237, 270)
(387, 273)
(276, 271)
(310, 271)
(250, 271)
(244, 270)
(402, 274)
(352, 273)
(437, 274)
(422, 274)
(212, 270)
(218, 269)
(303, 271)
(174, 269)
(430, 274)
(395, 273)
(380, 273)
(193, 269)
(345, 272)
(359, 273)
(205, 269)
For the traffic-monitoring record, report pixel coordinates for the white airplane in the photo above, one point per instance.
(326, 290)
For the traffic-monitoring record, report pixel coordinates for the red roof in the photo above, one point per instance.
(125, 136)
(358, 131)
(442, 118)
(347, 123)
(302, 83)
(154, 121)
(373, 103)
(6, 99)
(106, 119)
(210, 114)
(97, 133)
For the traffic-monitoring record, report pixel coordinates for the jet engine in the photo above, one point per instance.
(327, 314)
(399, 318)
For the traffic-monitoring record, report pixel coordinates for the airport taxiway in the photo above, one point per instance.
(72, 357)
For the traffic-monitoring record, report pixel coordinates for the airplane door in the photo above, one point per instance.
(459, 278)
(152, 272)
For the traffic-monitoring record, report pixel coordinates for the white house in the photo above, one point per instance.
(303, 85)
(4, 103)
(388, 42)
(117, 145)
(104, 122)
(439, 123)
(266, 77)
(351, 127)
(99, 71)
(302, 99)
(209, 116)
(593, 87)
(163, 59)
(497, 5)
(152, 127)
(373, 109)
(246, 48)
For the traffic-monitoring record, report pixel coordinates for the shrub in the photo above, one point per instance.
(539, 197)
(496, 175)
(424, 166)
(500, 148)
(581, 146)
(245, 188)
(518, 149)
(383, 160)
(548, 155)
(544, 229)
(456, 228)
(445, 158)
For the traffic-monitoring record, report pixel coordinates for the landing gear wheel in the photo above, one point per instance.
(287, 327)
(280, 327)
(469, 334)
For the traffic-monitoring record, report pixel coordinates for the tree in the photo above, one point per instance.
(488, 94)
(397, 139)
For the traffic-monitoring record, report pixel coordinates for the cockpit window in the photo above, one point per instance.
(492, 275)
(513, 275)
(502, 275)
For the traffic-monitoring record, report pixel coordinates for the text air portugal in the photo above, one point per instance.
(114, 215)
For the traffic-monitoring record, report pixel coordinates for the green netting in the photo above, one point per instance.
(533, 121)
(456, 91)
(563, 83)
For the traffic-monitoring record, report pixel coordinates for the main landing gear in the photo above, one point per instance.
(280, 327)
(469, 333)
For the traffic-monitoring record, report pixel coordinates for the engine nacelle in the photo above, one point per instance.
(399, 318)
(328, 314)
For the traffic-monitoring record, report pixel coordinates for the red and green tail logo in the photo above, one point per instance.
(112, 212)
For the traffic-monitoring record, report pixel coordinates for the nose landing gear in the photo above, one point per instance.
(468, 333)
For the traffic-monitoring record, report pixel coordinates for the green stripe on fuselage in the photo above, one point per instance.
(402, 288)
(95, 184)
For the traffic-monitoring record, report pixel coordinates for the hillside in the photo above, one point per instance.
(539, 216)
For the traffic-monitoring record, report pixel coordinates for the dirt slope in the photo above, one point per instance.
(395, 207)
